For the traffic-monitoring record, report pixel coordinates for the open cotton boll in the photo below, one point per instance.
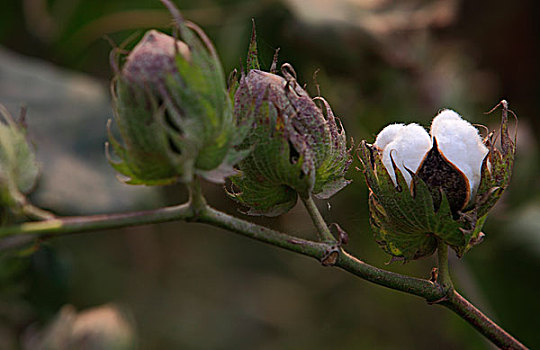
(460, 143)
(449, 192)
(407, 147)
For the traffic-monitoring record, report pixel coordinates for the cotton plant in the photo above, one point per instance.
(273, 143)
(436, 188)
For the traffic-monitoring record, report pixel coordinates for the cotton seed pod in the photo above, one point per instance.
(173, 111)
(296, 148)
(19, 170)
(426, 188)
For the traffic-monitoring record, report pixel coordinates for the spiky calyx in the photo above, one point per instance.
(296, 149)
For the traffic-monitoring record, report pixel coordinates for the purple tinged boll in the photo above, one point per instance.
(153, 58)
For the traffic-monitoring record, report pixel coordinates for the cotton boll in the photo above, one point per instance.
(448, 167)
(445, 114)
(388, 134)
(460, 143)
(408, 148)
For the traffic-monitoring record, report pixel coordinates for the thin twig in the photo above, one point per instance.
(482, 323)
(444, 278)
(203, 213)
(322, 229)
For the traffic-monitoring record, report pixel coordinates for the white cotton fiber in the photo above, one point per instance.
(407, 144)
(460, 143)
(387, 135)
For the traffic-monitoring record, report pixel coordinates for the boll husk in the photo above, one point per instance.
(19, 170)
(426, 188)
(296, 147)
(173, 111)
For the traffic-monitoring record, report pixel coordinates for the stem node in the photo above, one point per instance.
(197, 202)
(331, 256)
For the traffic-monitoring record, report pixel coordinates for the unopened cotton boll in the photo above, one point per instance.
(406, 145)
(173, 111)
(297, 146)
(460, 143)
(154, 58)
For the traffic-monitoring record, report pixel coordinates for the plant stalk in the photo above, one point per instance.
(322, 229)
(198, 211)
(35, 213)
(60, 226)
(196, 198)
(443, 278)
(482, 323)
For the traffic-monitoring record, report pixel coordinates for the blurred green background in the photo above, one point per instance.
(189, 286)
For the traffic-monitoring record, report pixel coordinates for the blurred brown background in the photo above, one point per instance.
(189, 286)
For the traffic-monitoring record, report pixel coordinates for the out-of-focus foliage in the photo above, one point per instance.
(18, 167)
(192, 286)
(66, 112)
(103, 327)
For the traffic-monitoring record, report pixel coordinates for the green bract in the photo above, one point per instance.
(409, 221)
(173, 111)
(295, 147)
(18, 167)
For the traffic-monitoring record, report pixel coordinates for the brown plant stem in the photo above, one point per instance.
(198, 211)
(481, 322)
